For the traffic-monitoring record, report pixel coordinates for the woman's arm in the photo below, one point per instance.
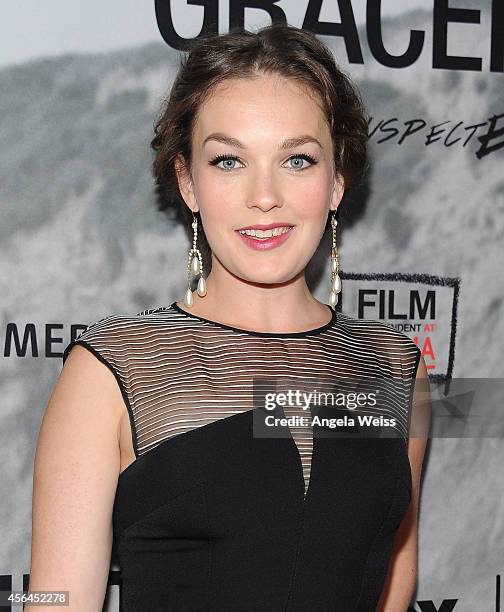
(401, 580)
(77, 462)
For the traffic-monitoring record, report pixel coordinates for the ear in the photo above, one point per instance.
(337, 191)
(185, 182)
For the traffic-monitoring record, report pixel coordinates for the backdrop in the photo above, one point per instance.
(420, 246)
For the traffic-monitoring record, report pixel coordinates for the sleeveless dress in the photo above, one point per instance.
(216, 513)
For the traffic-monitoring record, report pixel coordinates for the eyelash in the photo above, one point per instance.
(218, 158)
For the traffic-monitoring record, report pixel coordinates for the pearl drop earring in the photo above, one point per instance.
(335, 279)
(194, 267)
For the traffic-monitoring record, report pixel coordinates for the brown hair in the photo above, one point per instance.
(276, 49)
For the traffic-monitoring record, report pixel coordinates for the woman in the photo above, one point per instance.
(150, 440)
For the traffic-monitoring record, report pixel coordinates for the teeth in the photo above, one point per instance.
(257, 233)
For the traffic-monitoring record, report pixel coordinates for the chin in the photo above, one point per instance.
(266, 277)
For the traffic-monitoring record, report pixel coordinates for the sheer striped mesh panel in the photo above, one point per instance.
(177, 372)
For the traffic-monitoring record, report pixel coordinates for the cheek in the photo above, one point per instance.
(311, 199)
(218, 211)
(216, 204)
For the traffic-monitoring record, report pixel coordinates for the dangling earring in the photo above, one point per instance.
(194, 267)
(335, 279)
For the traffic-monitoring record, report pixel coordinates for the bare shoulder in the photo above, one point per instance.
(86, 401)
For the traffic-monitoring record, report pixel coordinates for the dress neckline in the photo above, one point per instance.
(300, 334)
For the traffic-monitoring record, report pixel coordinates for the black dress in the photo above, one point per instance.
(218, 513)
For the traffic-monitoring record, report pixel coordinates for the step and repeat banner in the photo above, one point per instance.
(420, 245)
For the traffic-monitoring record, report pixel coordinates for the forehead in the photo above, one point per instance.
(259, 109)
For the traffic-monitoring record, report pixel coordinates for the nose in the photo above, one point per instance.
(264, 192)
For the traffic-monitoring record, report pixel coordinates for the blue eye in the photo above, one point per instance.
(223, 158)
(232, 158)
(304, 157)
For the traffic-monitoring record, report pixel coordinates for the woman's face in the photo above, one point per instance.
(245, 173)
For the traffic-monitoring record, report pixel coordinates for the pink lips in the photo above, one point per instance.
(267, 226)
(262, 244)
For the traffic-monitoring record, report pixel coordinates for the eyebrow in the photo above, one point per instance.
(288, 143)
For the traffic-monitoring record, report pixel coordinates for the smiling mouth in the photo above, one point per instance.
(264, 234)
